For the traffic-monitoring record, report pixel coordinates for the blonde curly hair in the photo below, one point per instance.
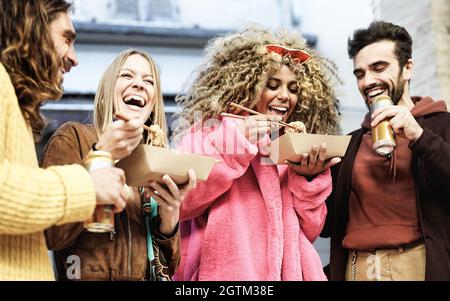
(237, 68)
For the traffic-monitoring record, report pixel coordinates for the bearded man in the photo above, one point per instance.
(388, 216)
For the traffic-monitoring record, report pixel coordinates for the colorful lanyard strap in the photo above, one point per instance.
(151, 210)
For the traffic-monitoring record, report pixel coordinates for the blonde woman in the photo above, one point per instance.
(130, 85)
(250, 220)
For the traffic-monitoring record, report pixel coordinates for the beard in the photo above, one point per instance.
(398, 90)
(395, 93)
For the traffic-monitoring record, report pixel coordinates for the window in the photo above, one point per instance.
(160, 10)
(145, 10)
(127, 9)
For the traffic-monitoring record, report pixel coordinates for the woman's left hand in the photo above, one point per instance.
(313, 163)
(169, 199)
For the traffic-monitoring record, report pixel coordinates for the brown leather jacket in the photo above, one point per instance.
(103, 256)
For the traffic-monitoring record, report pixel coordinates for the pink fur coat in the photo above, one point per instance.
(249, 220)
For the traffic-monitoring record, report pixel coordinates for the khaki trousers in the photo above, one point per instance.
(403, 263)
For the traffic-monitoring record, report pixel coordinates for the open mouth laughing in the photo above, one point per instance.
(277, 110)
(134, 101)
(377, 91)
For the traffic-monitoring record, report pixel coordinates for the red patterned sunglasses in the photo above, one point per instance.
(299, 56)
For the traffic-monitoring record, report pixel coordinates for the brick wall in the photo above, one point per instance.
(428, 22)
(440, 11)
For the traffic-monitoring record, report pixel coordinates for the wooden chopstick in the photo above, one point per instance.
(258, 113)
(245, 109)
(232, 116)
(243, 117)
(120, 116)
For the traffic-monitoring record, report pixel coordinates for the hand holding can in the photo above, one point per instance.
(103, 218)
(383, 137)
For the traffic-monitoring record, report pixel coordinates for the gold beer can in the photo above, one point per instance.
(383, 137)
(102, 221)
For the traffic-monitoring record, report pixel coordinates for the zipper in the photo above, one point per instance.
(113, 232)
(354, 256)
(129, 245)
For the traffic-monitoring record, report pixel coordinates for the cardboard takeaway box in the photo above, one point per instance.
(147, 163)
(291, 146)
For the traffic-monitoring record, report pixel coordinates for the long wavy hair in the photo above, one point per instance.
(237, 68)
(104, 97)
(104, 106)
(29, 55)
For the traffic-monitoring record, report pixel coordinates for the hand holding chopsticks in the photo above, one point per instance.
(122, 117)
(245, 117)
(255, 128)
(120, 138)
(279, 123)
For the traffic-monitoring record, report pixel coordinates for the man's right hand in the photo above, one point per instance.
(109, 187)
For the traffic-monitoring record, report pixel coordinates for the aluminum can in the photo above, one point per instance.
(383, 137)
(102, 221)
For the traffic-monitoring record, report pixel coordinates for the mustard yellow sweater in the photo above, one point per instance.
(32, 199)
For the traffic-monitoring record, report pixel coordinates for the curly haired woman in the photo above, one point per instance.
(251, 220)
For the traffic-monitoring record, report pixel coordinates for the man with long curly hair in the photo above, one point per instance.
(250, 220)
(36, 49)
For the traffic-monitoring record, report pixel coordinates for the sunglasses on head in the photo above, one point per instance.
(299, 56)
